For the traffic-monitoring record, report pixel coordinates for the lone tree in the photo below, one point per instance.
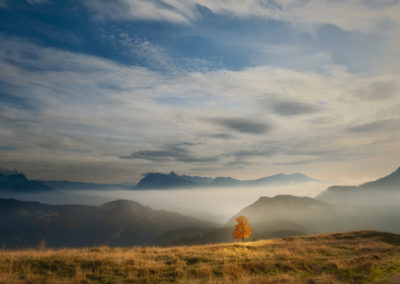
(242, 229)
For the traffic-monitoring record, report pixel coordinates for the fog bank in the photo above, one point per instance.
(212, 204)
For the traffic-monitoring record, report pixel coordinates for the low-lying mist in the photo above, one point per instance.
(211, 204)
(337, 211)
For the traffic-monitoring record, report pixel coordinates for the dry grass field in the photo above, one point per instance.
(355, 257)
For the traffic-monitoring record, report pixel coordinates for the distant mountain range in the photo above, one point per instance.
(382, 191)
(117, 223)
(172, 180)
(17, 182)
(71, 185)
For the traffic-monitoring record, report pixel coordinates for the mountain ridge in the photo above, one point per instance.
(14, 181)
(371, 191)
(115, 223)
(172, 180)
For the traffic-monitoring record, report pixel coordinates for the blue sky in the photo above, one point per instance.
(104, 91)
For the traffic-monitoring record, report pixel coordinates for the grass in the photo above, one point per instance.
(355, 257)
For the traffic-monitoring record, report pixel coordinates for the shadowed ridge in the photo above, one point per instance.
(116, 223)
(15, 181)
(282, 201)
(287, 212)
(391, 181)
(123, 203)
(160, 181)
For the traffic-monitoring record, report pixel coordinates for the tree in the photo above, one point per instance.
(242, 229)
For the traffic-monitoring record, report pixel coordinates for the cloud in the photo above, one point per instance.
(38, 2)
(266, 152)
(222, 136)
(348, 15)
(172, 152)
(292, 108)
(88, 111)
(378, 91)
(171, 11)
(242, 125)
(380, 126)
(141, 51)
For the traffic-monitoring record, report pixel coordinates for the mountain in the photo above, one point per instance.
(226, 181)
(13, 181)
(308, 215)
(172, 180)
(279, 216)
(389, 182)
(385, 190)
(70, 185)
(117, 223)
(287, 212)
(17, 182)
(282, 179)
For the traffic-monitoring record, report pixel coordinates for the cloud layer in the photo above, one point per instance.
(67, 106)
(229, 88)
(348, 15)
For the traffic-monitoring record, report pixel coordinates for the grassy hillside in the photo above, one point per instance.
(355, 257)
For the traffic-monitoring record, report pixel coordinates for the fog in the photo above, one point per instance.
(341, 210)
(211, 204)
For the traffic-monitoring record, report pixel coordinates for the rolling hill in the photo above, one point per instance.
(117, 223)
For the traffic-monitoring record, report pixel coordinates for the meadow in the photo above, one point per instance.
(354, 257)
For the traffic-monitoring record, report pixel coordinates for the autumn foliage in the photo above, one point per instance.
(242, 229)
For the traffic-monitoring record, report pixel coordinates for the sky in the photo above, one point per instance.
(104, 91)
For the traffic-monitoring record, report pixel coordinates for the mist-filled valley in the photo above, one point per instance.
(212, 204)
(189, 215)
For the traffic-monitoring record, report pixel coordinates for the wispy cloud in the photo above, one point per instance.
(173, 11)
(172, 152)
(378, 91)
(3, 3)
(292, 108)
(242, 125)
(380, 126)
(348, 15)
(38, 2)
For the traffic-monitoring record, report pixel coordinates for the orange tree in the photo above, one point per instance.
(242, 229)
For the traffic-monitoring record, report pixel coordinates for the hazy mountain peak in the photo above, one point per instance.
(286, 198)
(384, 190)
(122, 202)
(18, 182)
(173, 180)
(7, 172)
